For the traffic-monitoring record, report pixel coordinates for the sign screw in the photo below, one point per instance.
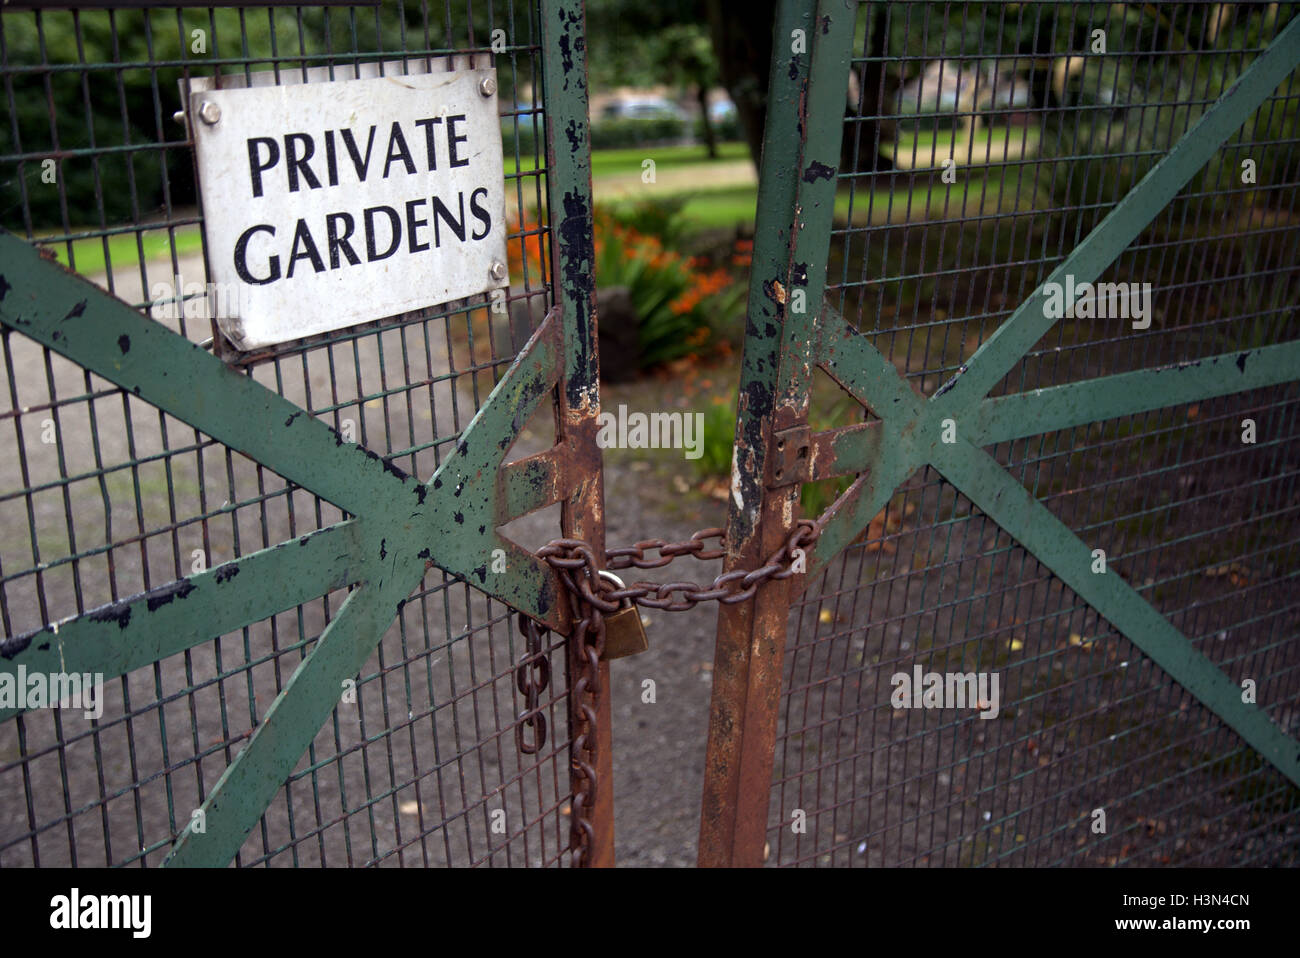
(209, 112)
(487, 86)
(498, 271)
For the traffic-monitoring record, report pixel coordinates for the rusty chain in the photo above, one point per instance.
(591, 597)
(738, 585)
(532, 677)
(586, 644)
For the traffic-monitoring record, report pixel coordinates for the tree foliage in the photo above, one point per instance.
(103, 91)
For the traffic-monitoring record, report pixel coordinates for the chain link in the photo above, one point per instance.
(532, 677)
(591, 596)
(738, 585)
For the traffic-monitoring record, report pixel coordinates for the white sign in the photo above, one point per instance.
(332, 203)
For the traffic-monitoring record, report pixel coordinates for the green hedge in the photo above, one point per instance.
(612, 134)
(605, 134)
(528, 139)
(726, 131)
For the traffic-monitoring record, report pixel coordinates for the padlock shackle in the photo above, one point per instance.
(605, 573)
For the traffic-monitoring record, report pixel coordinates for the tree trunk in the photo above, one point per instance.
(858, 147)
(742, 41)
(706, 121)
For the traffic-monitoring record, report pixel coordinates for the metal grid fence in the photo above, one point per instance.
(103, 496)
(1048, 135)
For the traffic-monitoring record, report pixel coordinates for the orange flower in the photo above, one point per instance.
(525, 244)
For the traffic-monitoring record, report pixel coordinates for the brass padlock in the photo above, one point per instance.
(624, 630)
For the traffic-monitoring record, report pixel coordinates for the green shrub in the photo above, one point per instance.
(612, 134)
(719, 437)
(660, 217)
(724, 131)
(676, 298)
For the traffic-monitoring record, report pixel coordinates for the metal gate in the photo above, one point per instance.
(1097, 510)
(287, 566)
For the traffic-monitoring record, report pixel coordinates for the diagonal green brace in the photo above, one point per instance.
(455, 528)
(983, 480)
(83, 323)
(851, 512)
(402, 524)
(1039, 411)
(250, 782)
(853, 362)
(460, 533)
(850, 359)
(134, 633)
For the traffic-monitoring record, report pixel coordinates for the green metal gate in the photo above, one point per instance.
(1099, 512)
(287, 567)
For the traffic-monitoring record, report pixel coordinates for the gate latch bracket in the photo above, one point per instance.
(790, 461)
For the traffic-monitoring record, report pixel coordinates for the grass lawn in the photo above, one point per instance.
(681, 170)
(974, 194)
(714, 204)
(124, 249)
(629, 159)
(921, 149)
(709, 209)
(726, 208)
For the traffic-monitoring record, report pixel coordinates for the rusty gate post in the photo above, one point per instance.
(801, 148)
(568, 184)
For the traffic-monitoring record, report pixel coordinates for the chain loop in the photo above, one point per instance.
(568, 555)
(532, 676)
(592, 595)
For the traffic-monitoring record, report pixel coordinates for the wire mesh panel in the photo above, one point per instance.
(946, 697)
(104, 496)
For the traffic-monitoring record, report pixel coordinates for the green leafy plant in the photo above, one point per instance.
(719, 436)
(715, 458)
(660, 217)
(675, 298)
(679, 301)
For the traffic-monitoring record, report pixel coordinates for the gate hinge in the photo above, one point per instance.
(791, 457)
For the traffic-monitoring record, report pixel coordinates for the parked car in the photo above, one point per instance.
(722, 111)
(643, 108)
